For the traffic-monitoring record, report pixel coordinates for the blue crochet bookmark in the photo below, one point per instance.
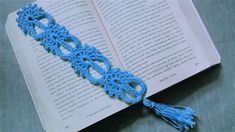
(115, 82)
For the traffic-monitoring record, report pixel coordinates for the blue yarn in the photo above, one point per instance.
(180, 117)
(115, 82)
(53, 37)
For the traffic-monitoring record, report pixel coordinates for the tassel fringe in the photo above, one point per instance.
(179, 117)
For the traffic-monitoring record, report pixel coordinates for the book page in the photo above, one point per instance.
(198, 27)
(153, 40)
(65, 102)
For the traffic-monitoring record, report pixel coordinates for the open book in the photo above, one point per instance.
(161, 41)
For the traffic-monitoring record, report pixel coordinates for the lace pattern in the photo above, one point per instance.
(56, 39)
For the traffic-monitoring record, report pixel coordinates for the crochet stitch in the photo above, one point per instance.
(54, 38)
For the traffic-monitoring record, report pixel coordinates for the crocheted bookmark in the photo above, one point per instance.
(115, 82)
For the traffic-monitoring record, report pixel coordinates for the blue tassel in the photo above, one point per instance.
(179, 117)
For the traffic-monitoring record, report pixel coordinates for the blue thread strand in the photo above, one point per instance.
(179, 117)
